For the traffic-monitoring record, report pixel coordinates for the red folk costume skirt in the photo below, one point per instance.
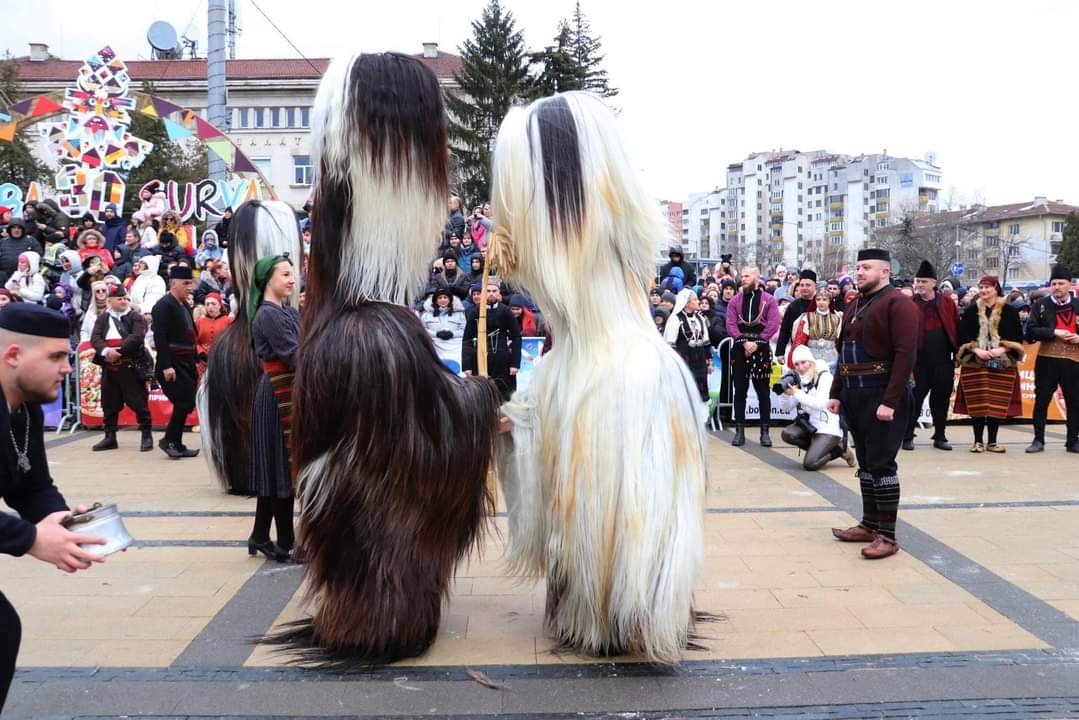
(989, 393)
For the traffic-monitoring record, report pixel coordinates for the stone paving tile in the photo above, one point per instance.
(783, 587)
(932, 476)
(140, 608)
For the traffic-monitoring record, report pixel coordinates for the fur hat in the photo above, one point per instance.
(1060, 272)
(926, 271)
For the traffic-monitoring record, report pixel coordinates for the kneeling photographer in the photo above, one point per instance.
(815, 430)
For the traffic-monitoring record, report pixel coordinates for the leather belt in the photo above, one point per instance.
(865, 369)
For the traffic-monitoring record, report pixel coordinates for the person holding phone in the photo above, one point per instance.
(34, 347)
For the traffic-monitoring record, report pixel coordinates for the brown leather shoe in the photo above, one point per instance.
(882, 547)
(858, 533)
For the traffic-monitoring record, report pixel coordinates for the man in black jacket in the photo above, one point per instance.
(1053, 323)
(34, 346)
(455, 225)
(689, 278)
(174, 338)
(119, 341)
(503, 343)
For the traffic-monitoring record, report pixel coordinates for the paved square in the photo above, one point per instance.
(988, 582)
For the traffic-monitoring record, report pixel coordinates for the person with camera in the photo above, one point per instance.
(877, 347)
(34, 345)
(119, 340)
(814, 430)
(990, 349)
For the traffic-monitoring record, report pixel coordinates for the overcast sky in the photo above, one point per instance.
(988, 86)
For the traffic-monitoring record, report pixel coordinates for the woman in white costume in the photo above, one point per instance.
(609, 510)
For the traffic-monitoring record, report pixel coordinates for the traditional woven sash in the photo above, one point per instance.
(281, 381)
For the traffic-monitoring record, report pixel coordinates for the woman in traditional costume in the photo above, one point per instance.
(990, 349)
(275, 333)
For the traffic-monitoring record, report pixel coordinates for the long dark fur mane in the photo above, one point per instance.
(233, 369)
(390, 448)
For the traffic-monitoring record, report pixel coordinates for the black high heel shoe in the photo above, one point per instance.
(269, 549)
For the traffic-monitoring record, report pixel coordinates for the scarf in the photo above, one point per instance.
(260, 276)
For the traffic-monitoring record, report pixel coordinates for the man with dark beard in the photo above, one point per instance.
(877, 346)
(934, 373)
(1053, 323)
(34, 345)
(503, 343)
(752, 321)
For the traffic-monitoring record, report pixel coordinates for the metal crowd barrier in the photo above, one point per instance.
(716, 405)
(71, 419)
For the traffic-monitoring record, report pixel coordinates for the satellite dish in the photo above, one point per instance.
(162, 37)
(931, 157)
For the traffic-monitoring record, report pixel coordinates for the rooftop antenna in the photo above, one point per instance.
(163, 41)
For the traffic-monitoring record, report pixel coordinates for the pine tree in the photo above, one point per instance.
(167, 161)
(586, 54)
(18, 164)
(494, 75)
(1069, 247)
(558, 69)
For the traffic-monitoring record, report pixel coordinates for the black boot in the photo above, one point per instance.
(739, 436)
(106, 443)
(766, 441)
(147, 443)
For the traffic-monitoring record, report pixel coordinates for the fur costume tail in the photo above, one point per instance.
(391, 449)
(258, 228)
(604, 471)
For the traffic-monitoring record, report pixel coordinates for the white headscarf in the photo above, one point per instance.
(682, 300)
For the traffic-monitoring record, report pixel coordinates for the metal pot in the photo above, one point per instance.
(105, 521)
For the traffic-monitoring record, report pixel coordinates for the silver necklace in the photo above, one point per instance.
(24, 454)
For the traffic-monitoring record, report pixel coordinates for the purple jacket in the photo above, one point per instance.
(770, 317)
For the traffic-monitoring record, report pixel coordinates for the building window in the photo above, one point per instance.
(305, 117)
(260, 117)
(1058, 227)
(992, 262)
(972, 255)
(275, 117)
(301, 169)
(1013, 229)
(992, 241)
(704, 211)
(241, 117)
(263, 165)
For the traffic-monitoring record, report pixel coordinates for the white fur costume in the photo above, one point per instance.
(604, 470)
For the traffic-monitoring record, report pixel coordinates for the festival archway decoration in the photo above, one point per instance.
(93, 145)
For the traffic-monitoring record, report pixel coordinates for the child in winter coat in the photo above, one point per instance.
(26, 282)
(92, 242)
(208, 250)
(153, 204)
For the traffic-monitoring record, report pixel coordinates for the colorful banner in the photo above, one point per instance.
(90, 397)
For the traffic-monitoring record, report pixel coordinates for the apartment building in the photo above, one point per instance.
(796, 207)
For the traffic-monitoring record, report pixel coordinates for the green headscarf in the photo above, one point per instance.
(260, 276)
